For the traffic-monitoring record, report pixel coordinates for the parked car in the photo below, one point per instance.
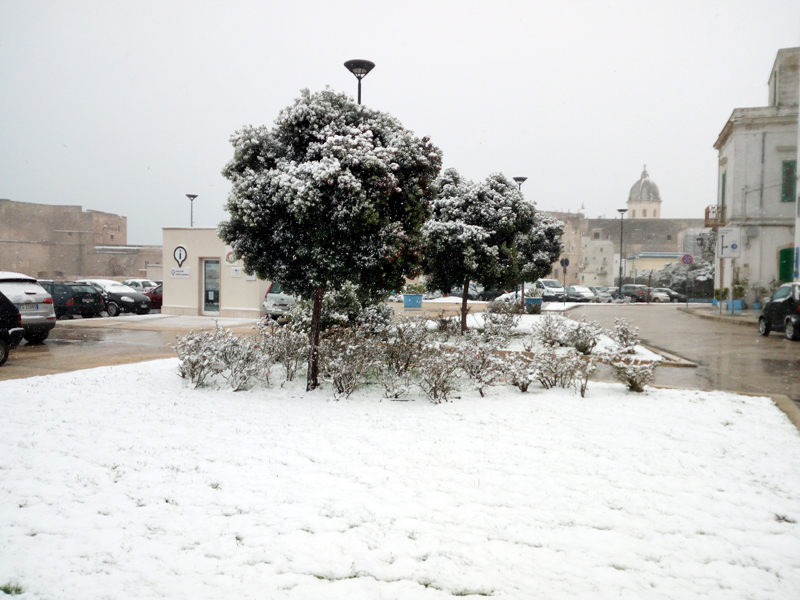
(601, 294)
(550, 289)
(489, 295)
(637, 293)
(277, 302)
(141, 285)
(120, 298)
(11, 330)
(472, 293)
(579, 293)
(781, 312)
(33, 302)
(657, 296)
(156, 297)
(71, 299)
(673, 295)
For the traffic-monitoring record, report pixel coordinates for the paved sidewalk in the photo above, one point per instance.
(747, 317)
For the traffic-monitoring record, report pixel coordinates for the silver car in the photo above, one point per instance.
(34, 304)
(277, 302)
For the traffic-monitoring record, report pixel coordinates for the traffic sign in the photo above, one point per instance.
(687, 259)
(729, 242)
(565, 262)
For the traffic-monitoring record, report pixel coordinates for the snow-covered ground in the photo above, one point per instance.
(122, 482)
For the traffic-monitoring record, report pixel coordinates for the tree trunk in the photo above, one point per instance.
(312, 378)
(523, 295)
(464, 308)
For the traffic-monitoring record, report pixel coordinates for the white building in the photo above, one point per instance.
(757, 193)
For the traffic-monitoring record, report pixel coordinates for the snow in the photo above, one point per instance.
(123, 482)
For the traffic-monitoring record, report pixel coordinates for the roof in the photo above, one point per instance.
(6, 275)
(644, 190)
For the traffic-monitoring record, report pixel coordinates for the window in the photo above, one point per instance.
(597, 235)
(789, 181)
(722, 188)
(555, 272)
(655, 214)
(633, 214)
(112, 236)
(669, 237)
(644, 213)
(601, 249)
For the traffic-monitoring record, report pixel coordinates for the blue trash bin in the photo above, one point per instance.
(412, 300)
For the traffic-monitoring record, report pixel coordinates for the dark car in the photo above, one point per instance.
(782, 312)
(11, 330)
(637, 293)
(156, 297)
(71, 299)
(673, 295)
(120, 298)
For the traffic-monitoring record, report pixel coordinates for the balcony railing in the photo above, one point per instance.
(715, 215)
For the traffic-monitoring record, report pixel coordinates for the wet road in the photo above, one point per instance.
(729, 357)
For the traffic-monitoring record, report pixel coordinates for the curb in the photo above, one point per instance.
(670, 360)
(721, 318)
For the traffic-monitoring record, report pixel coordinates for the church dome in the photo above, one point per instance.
(644, 190)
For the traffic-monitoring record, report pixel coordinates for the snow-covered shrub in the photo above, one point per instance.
(520, 371)
(479, 358)
(533, 309)
(550, 329)
(500, 307)
(398, 353)
(447, 326)
(587, 366)
(438, 370)
(345, 356)
(375, 317)
(625, 335)
(341, 308)
(556, 369)
(583, 335)
(241, 359)
(499, 326)
(199, 354)
(287, 346)
(634, 373)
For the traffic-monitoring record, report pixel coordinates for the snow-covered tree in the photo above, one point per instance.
(539, 248)
(334, 193)
(472, 233)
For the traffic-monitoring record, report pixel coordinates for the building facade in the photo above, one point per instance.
(757, 183)
(65, 242)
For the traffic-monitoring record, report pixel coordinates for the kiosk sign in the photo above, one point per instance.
(180, 254)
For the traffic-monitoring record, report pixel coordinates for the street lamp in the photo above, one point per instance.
(621, 212)
(191, 198)
(359, 68)
(520, 181)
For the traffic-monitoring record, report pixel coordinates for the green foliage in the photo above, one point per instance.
(342, 308)
(11, 588)
(414, 288)
(333, 193)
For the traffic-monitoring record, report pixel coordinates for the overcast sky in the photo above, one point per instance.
(128, 106)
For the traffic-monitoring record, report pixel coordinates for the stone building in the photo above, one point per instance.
(593, 245)
(66, 242)
(757, 176)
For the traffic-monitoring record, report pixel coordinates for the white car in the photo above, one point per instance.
(34, 304)
(277, 302)
(550, 289)
(141, 285)
(579, 291)
(656, 296)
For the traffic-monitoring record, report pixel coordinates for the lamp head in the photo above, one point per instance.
(191, 196)
(359, 68)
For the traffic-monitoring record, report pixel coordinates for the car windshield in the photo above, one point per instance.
(84, 288)
(552, 283)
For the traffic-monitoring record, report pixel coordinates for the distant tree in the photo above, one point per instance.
(472, 233)
(539, 248)
(334, 193)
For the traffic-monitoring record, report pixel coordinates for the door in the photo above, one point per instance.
(785, 264)
(779, 307)
(210, 287)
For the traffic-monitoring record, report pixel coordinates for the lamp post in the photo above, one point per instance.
(191, 198)
(520, 181)
(359, 68)
(622, 212)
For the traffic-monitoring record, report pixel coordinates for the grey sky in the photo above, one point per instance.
(128, 106)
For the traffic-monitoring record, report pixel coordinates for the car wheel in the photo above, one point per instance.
(112, 309)
(36, 338)
(763, 326)
(634, 299)
(792, 332)
(656, 300)
(674, 300)
(4, 349)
